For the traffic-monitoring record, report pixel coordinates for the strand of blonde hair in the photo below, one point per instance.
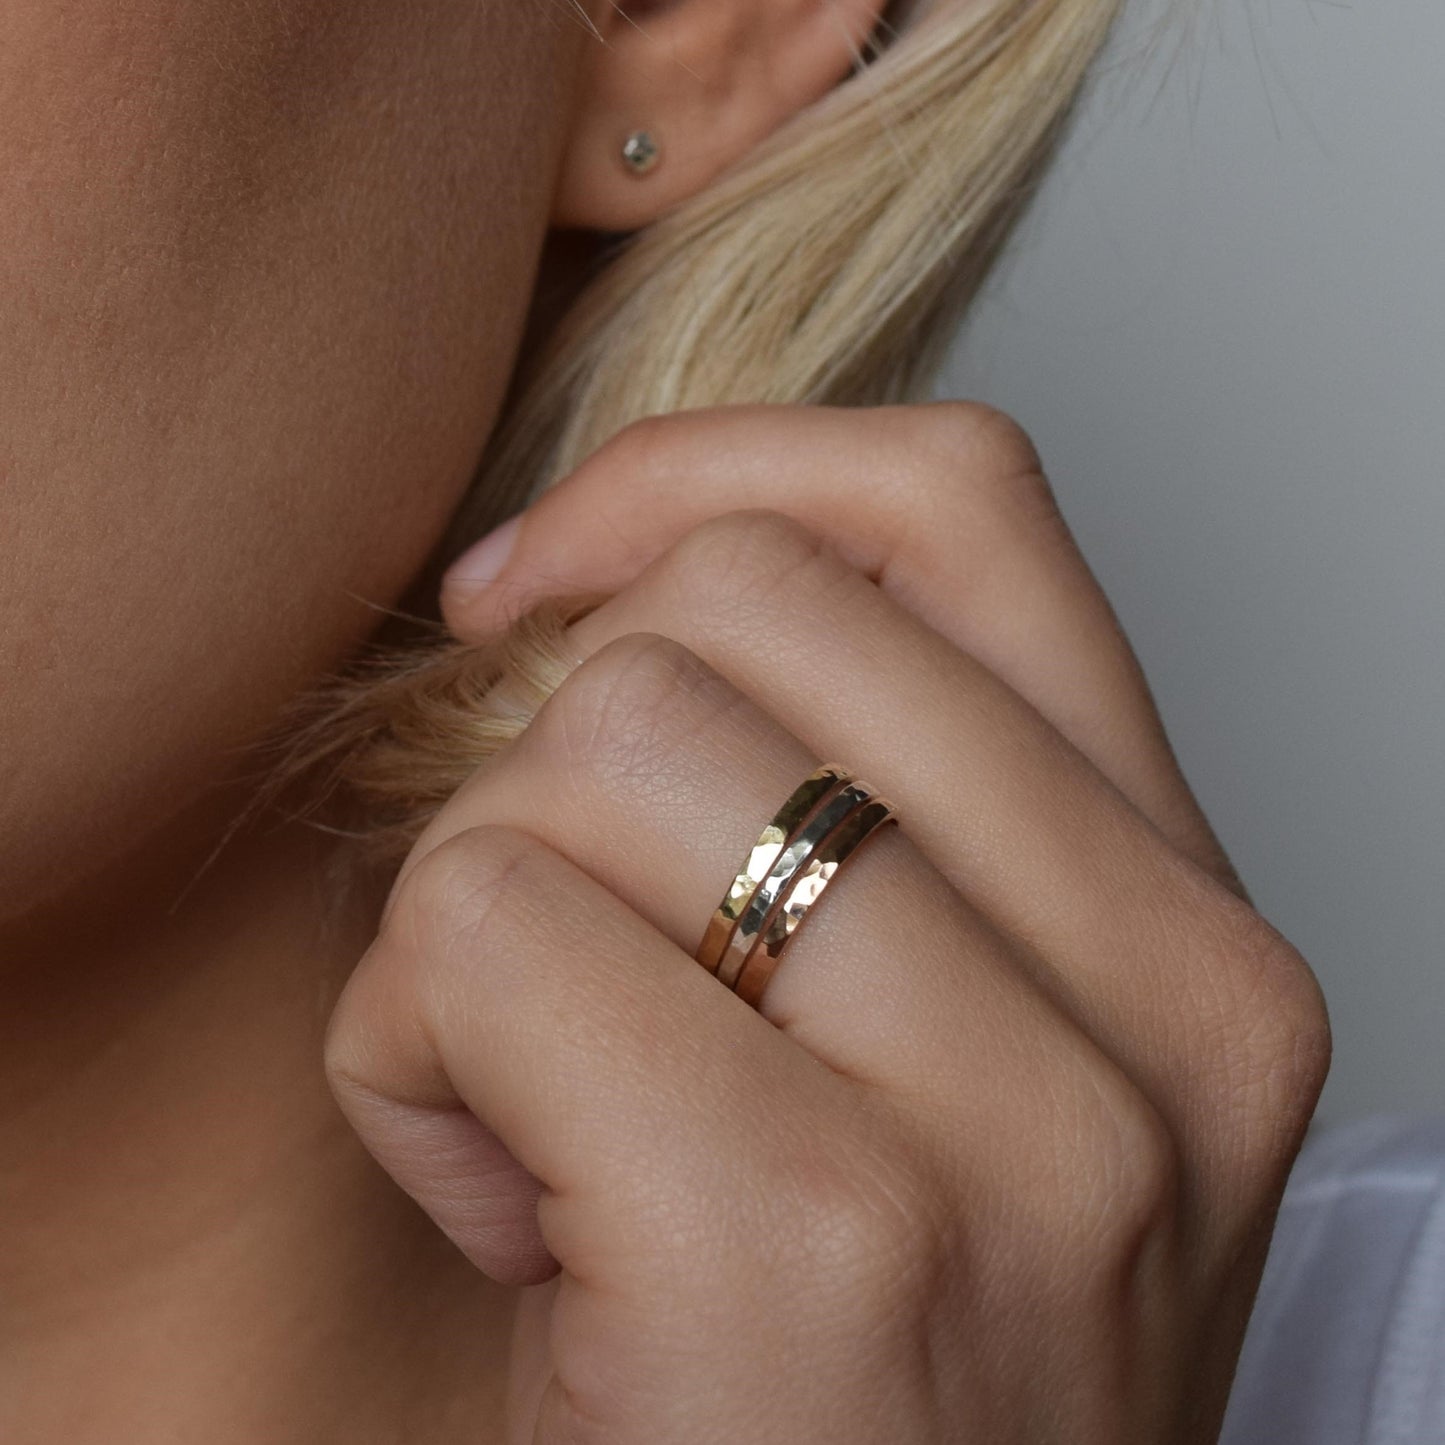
(831, 266)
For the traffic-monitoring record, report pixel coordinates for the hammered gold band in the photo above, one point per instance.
(761, 857)
(804, 890)
(821, 824)
(794, 855)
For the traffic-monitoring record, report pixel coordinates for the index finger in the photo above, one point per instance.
(945, 506)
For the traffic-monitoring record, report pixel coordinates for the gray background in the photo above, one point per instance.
(1223, 324)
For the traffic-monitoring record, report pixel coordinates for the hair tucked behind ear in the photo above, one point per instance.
(832, 265)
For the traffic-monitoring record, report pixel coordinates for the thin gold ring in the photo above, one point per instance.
(805, 888)
(759, 907)
(816, 787)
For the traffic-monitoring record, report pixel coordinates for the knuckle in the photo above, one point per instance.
(451, 898)
(630, 706)
(870, 1227)
(983, 438)
(1273, 1059)
(1263, 1045)
(344, 1053)
(1292, 1037)
(1274, 1018)
(1131, 1173)
(739, 565)
(659, 444)
(641, 446)
(732, 553)
(452, 892)
(1279, 1049)
(1006, 497)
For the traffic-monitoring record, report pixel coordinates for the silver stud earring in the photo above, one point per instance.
(639, 152)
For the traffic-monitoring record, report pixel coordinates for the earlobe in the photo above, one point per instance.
(670, 97)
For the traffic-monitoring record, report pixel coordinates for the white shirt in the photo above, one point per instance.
(1346, 1344)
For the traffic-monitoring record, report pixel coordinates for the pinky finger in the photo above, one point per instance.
(516, 1029)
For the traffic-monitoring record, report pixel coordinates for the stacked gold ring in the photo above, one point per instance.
(823, 821)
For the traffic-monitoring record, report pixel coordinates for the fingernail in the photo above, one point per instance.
(484, 560)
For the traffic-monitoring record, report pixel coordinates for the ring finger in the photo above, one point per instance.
(1143, 950)
(1172, 975)
(652, 774)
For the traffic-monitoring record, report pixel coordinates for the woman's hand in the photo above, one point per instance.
(998, 1155)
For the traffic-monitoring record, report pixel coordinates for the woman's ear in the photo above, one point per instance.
(704, 81)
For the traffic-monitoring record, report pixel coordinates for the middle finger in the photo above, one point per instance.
(654, 774)
(1013, 817)
(1010, 812)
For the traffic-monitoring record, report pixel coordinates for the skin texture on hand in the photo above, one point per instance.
(998, 1155)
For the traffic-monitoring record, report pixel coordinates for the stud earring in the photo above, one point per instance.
(639, 152)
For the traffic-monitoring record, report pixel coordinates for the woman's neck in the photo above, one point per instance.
(193, 1244)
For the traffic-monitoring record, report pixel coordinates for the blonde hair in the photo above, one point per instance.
(831, 265)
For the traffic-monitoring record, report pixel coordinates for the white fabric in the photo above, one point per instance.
(1346, 1345)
